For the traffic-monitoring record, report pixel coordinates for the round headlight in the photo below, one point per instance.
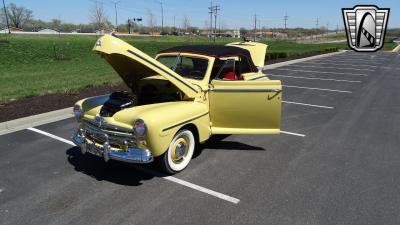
(78, 113)
(140, 127)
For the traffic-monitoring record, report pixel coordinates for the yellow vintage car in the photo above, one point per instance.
(177, 100)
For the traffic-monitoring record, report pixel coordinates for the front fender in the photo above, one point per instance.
(165, 121)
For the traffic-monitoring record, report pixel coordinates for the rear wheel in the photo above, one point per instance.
(179, 153)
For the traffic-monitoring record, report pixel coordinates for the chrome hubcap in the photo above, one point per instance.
(180, 149)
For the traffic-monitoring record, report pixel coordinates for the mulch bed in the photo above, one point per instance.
(50, 102)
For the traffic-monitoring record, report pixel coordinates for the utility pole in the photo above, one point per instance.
(285, 18)
(174, 25)
(5, 13)
(216, 9)
(211, 19)
(316, 26)
(337, 28)
(116, 14)
(255, 27)
(327, 28)
(162, 16)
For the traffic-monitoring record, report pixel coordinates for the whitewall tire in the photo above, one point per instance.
(179, 153)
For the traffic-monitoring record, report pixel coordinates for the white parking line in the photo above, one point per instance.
(315, 78)
(51, 136)
(291, 133)
(311, 105)
(331, 67)
(313, 71)
(356, 59)
(170, 178)
(354, 62)
(202, 189)
(339, 64)
(319, 89)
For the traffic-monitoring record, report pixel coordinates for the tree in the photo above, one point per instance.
(99, 16)
(185, 22)
(56, 24)
(18, 16)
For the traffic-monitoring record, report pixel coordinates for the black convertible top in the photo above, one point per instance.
(217, 51)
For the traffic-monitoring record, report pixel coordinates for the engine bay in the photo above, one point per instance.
(148, 91)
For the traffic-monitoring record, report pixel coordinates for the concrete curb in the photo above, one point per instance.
(35, 120)
(276, 65)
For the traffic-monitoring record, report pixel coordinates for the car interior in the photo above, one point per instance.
(230, 68)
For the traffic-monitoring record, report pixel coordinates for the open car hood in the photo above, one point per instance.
(132, 64)
(257, 51)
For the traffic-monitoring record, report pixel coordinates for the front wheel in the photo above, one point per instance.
(179, 153)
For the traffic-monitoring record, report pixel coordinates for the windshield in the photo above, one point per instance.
(186, 66)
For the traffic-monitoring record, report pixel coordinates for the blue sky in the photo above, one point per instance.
(234, 13)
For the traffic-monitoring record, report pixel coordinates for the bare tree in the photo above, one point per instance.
(152, 19)
(18, 16)
(185, 23)
(99, 16)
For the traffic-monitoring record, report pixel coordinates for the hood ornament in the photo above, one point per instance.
(100, 120)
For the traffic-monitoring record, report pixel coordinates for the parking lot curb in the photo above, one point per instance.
(276, 65)
(35, 120)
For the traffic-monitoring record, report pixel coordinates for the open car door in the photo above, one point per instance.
(245, 107)
(132, 65)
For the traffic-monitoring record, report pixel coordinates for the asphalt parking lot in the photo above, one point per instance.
(337, 163)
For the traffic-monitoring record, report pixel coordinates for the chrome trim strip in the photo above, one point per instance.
(246, 90)
(180, 80)
(187, 121)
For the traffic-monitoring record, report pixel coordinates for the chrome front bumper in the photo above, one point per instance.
(130, 155)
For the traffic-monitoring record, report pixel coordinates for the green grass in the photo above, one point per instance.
(32, 65)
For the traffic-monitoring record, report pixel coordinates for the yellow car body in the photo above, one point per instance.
(251, 105)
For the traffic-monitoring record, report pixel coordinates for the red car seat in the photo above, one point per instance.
(231, 76)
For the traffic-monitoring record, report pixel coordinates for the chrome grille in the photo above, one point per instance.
(115, 137)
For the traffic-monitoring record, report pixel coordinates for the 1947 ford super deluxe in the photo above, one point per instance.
(177, 100)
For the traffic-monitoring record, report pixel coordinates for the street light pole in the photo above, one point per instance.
(5, 12)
